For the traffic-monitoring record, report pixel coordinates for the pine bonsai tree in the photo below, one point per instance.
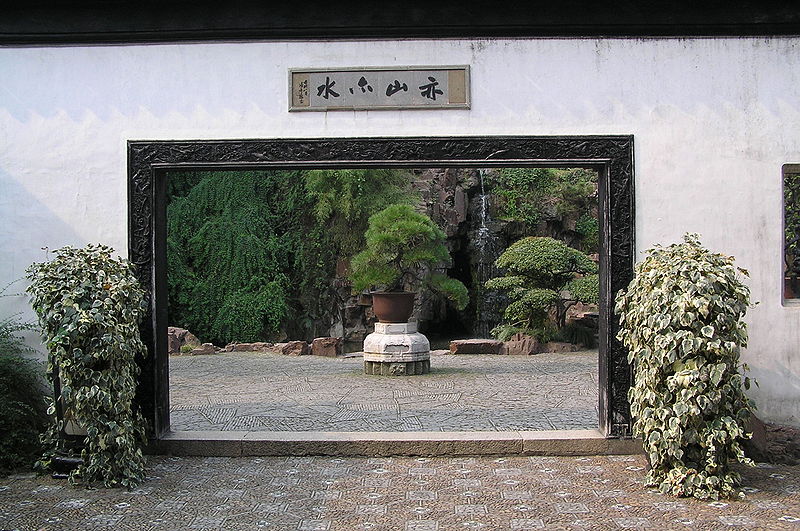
(403, 248)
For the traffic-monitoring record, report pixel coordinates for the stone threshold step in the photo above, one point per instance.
(432, 443)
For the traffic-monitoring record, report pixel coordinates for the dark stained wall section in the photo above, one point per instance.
(118, 21)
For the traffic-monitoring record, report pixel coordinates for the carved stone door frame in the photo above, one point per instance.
(612, 156)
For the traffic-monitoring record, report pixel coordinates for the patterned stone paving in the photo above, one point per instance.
(405, 494)
(270, 392)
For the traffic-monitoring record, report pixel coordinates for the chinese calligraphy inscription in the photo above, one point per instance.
(379, 88)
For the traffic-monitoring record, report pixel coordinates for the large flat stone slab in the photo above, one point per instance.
(476, 346)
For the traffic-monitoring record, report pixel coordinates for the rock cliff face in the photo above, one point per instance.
(462, 202)
(444, 198)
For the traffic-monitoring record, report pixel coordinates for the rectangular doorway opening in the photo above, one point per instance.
(449, 183)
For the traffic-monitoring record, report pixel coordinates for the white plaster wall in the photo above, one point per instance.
(713, 120)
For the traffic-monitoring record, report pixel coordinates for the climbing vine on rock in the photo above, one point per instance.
(681, 319)
(89, 306)
(564, 198)
(344, 199)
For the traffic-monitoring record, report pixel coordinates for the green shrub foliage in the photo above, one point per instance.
(525, 192)
(403, 248)
(252, 254)
(11, 326)
(681, 319)
(589, 229)
(23, 407)
(521, 190)
(537, 271)
(89, 306)
(344, 199)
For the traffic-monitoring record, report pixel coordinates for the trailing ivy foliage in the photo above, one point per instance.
(89, 306)
(681, 319)
(538, 271)
(403, 249)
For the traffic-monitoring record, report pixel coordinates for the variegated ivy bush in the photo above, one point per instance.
(681, 319)
(89, 306)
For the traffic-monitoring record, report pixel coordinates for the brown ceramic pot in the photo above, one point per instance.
(393, 307)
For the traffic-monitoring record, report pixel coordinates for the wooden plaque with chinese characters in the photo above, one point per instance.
(377, 88)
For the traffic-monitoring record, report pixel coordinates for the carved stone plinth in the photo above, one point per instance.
(396, 349)
(407, 368)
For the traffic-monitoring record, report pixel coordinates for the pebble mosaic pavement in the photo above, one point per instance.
(269, 392)
(394, 494)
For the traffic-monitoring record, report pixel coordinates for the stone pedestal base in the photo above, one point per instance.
(388, 368)
(396, 349)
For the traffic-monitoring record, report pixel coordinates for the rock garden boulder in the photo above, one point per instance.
(327, 346)
(559, 347)
(178, 337)
(205, 348)
(521, 345)
(295, 348)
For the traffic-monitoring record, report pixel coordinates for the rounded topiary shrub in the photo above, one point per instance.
(681, 319)
(542, 276)
(89, 306)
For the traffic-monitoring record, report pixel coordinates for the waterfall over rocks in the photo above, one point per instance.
(486, 246)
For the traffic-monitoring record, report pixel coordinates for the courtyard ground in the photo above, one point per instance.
(311, 493)
(270, 392)
(394, 494)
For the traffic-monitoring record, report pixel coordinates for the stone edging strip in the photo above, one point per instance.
(254, 443)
